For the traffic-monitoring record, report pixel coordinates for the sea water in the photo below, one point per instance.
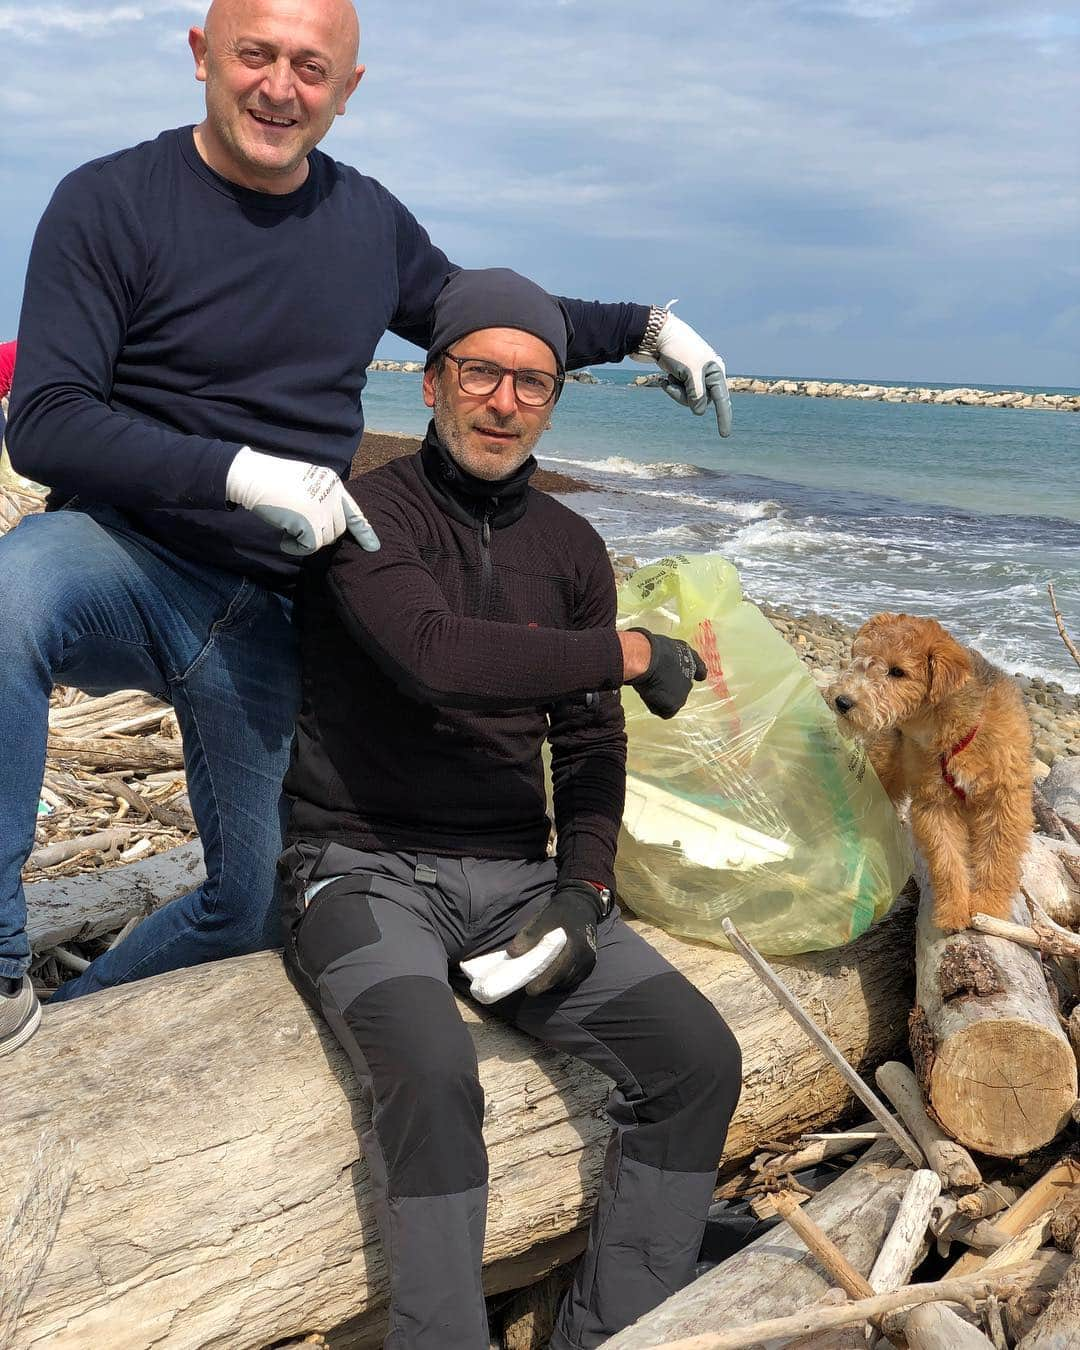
(840, 506)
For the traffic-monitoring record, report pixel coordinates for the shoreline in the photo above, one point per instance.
(820, 640)
(961, 396)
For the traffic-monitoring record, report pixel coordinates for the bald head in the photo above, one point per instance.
(277, 73)
(337, 17)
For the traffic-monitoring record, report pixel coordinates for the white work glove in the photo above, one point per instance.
(306, 502)
(497, 974)
(697, 377)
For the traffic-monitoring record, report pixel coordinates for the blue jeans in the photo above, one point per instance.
(87, 601)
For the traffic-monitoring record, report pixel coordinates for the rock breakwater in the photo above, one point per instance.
(887, 393)
(961, 396)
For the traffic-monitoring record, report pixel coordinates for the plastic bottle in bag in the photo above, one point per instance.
(749, 804)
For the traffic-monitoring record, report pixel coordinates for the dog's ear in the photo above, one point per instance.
(948, 665)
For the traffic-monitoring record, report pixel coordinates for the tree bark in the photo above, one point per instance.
(995, 1067)
(219, 1199)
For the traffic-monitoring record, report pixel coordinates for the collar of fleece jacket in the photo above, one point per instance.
(467, 498)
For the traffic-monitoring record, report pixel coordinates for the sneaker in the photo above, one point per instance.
(20, 1013)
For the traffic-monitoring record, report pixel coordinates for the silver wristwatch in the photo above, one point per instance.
(647, 345)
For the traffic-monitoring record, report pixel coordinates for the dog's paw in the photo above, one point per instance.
(950, 917)
(999, 906)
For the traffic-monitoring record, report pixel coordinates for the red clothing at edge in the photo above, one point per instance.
(7, 367)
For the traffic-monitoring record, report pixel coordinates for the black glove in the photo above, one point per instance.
(674, 668)
(575, 907)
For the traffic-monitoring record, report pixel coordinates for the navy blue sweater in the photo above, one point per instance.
(171, 317)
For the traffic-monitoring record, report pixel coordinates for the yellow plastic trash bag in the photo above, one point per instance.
(749, 804)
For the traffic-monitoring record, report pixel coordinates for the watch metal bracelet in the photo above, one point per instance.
(657, 319)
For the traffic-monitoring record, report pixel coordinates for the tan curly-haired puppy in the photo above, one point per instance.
(949, 730)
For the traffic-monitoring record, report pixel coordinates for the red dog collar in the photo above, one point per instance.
(944, 762)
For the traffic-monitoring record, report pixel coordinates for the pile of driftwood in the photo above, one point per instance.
(182, 1160)
(113, 792)
(964, 1233)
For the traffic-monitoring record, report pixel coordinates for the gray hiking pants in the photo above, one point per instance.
(376, 952)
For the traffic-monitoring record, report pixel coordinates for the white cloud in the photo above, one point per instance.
(820, 322)
(44, 21)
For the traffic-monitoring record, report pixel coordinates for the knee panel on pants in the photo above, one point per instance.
(686, 1068)
(428, 1105)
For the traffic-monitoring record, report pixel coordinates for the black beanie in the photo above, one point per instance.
(495, 297)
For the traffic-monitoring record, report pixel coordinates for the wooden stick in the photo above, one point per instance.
(133, 922)
(1036, 1202)
(991, 1198)
(68, 959)
(995, 1323)
(950, 1160)
(866, 1135)
(968, 1288)
(1061, 624)
(788, 1001)
(809, 1156)
(103, 841)
(1021, 1247)
(901, 1249)
(831, 1258)
(1054, 942)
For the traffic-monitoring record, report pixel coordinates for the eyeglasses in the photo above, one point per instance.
(478, 377)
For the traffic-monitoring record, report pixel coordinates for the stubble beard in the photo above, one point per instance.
(491, 467)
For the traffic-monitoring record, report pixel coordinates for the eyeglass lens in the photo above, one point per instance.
(482, 377)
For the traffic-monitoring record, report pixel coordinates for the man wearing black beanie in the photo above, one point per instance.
(433, 672)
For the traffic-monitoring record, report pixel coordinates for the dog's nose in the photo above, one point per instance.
(843, 703)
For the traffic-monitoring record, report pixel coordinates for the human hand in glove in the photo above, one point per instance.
(697, 377)
(672, 671)
(576, 907)
(307, 502)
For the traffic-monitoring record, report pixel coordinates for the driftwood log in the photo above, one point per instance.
(776, 1275)
(993, 1063)
(58, 910)
(934, 1326)
(219, 1199)
(952, 1163)
(1051, 876)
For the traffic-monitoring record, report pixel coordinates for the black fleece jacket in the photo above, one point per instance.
(434, 670)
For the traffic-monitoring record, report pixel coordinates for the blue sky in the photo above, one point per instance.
(880, 189)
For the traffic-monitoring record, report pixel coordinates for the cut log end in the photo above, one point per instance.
(1004, 1088)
